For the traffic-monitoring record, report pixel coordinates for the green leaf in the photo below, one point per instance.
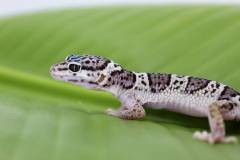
(44, 119)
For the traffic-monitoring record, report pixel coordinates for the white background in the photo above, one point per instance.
(13, 7)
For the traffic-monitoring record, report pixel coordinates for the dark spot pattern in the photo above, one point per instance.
(95, 83)
(63, 63)
(205, 92)
(153, 90)
(62, 69)
(116, 65)
(125, 79)
(95, 65)
(213, 91)
(196, 84)
(217, 85)
(88, 62)
(175, 82)
(158, 82)
(228, 93)
(73, 80)
(144, 83)
(227, 107)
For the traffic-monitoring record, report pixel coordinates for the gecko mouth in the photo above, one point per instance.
(56, 77)
(54, 73)
(73, 80)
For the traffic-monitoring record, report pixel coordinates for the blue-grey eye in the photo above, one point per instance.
(74, 67)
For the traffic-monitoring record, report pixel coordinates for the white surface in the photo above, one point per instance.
(13, 7)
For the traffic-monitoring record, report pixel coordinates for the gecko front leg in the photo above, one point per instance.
(128, 112)
(131, 108)
(216, 122)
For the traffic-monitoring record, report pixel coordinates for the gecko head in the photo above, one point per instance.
(87, 71)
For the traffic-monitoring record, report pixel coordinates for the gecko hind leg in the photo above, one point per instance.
(128, 113)
(216, 122)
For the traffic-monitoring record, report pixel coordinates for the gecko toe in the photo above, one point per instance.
(111, 112)
(230, 139)
(207, 137)
(202, 136)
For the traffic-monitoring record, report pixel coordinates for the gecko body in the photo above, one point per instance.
(184, 94)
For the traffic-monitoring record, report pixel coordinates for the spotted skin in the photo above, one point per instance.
(185, 94)
(123, 78)
(228, 93)
(158, 82)
(196, 84)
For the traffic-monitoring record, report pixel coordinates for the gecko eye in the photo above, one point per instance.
(74, 67)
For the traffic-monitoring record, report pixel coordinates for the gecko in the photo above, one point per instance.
(188, 95)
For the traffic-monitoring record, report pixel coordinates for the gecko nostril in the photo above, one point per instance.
(53, 69)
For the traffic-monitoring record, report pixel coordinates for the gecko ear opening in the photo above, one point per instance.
(101, 78)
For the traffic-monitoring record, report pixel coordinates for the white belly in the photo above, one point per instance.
(187, 104)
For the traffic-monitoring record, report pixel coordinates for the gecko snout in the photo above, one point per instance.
(52, 69)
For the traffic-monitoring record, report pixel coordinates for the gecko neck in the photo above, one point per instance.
(120, 81)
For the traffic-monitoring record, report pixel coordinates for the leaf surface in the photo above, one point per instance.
(44, 119)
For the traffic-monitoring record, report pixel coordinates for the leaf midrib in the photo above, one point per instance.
(41, 85)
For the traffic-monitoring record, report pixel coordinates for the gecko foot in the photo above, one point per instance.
(207, 137)
(135, 112)
(112, 112)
